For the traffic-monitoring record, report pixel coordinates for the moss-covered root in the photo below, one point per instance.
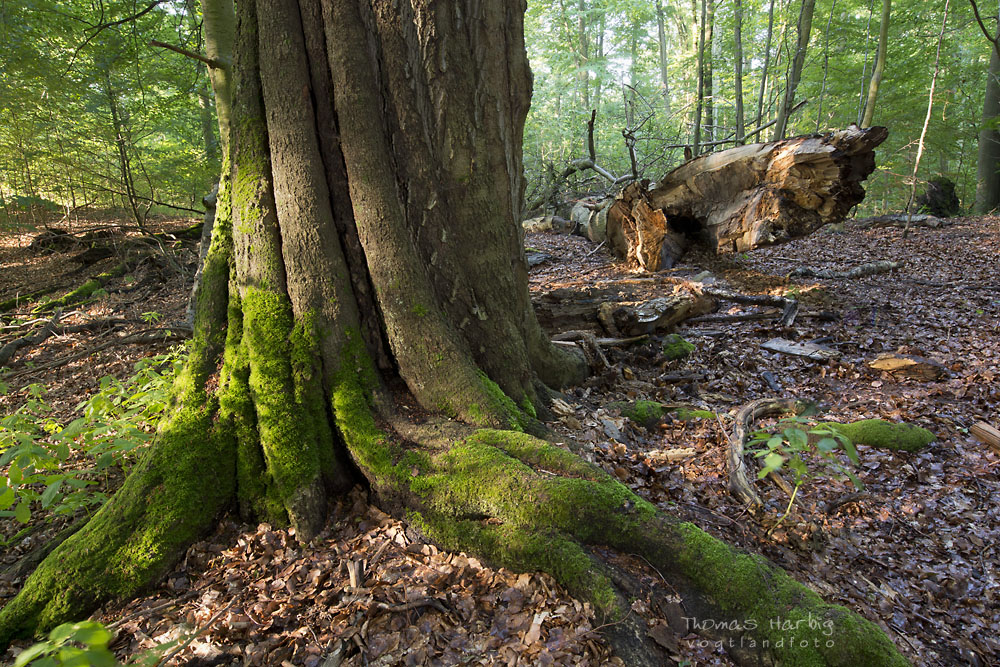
(777, 618)
(84, 291)
(519, 501)
(171, 498)
(885, 435)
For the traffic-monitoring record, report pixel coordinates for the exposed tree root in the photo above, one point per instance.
(85, 290)
(51, 329)
(739, 482)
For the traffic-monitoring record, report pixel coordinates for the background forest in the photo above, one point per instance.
(93, 115)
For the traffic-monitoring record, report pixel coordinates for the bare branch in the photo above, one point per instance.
(190, 54)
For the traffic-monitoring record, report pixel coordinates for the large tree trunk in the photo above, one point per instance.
(744, 197)
(373, 241)
(988, 157)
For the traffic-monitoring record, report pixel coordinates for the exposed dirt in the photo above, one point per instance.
(916, 554)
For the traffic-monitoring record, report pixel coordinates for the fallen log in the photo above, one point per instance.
(807, 350)
(862, 271)
(986, 433)
(911, 366)
(617, 309)
(744, 197)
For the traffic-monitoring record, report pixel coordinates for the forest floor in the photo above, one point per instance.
(917, 553)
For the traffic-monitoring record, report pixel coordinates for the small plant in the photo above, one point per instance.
(151, 317)
(85, 644)
(116, 423)
(789, 446)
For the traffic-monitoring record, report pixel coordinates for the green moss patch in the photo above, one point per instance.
(885, 435)
(674, 347)
(647, 413)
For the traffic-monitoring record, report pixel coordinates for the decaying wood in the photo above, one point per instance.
(572, 336)
(869, 269)
(906, 365)
(616, 309)
(900, 220)
(986, 433)
(671, 455)
(739, 480)
(808, 350)
(744, 197)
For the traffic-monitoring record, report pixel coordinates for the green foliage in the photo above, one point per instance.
(604, 55)
(84, 644)
(116, 423)
(790, 447)
(75, 80)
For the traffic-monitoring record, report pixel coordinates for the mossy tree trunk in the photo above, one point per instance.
(366, 254)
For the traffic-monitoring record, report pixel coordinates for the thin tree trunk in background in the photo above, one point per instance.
(661, 33)
(988, 158)
(883, 45)
(864, 68)
(802, 43)
(767, 62)
(584, 54)
(599, 82)
(826, 65)
(709, 87)
(738, 80)
(700, 100)
(927, 118)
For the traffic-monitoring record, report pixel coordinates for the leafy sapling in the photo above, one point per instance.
(790, 446)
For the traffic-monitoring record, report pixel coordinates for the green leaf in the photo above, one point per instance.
(7, 498)
(772, 461)
(796, 437)
(50, 493)
(852, 452)
(92, 634)
(22, 512)
(826, 445)
(858, 484)
(14, 474)
(61, 633)
(30, 653)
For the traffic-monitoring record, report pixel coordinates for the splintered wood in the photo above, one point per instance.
(745, 197)
(917, 368)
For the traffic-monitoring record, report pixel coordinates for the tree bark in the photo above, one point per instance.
(795, 75)
(883, 45)
(738, 78)
(988, 159)
(334, 222)
(661, 34)
(764, 68)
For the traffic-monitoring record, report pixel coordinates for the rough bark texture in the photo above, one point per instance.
(744, 197)
(988, 157)
(331, 224)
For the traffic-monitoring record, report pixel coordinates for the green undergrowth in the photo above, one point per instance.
(115, 425)
(85, 644)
